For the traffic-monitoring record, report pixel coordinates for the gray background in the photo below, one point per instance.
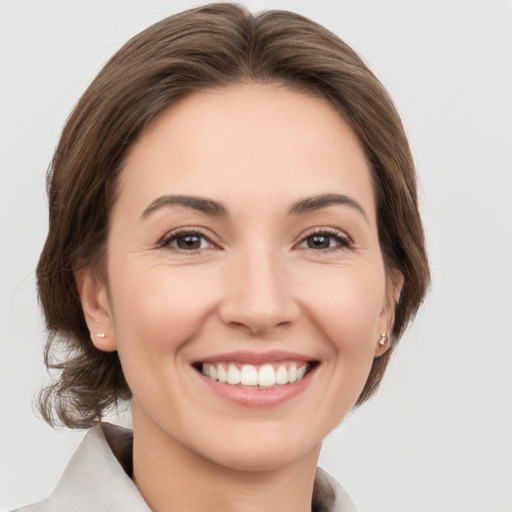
(438, 436)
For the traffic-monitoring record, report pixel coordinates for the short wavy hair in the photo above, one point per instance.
(212, 46)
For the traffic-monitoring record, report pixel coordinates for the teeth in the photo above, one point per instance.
(266, 376)
(233, 374)
(281, 375)
(222, 374)
(292, 373)
(249, 375)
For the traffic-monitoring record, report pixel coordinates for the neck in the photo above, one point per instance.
(171, 478)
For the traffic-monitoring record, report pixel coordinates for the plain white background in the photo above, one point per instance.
(438, 436)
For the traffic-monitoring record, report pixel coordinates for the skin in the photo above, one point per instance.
(254, 284)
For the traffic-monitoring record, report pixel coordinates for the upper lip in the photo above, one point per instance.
(255, 358)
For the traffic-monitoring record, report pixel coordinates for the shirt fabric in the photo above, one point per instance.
(97, 479)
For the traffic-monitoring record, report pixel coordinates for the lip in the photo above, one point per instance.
(257, 358)
(257, 397)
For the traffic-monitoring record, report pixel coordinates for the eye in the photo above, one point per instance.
(325, 240)
(187, 241)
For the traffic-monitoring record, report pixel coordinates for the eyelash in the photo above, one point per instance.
(174, 236)
(343, 242)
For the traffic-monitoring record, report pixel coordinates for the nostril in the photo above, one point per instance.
(257, 320)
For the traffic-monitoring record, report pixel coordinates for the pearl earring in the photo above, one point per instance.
(101, 335)
(383, 340)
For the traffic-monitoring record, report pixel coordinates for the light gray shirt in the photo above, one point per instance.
(97, 479)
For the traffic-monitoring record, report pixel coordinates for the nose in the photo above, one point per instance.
(258, 295)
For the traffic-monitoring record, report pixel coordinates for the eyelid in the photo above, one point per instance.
(165, 241)
(345, 239)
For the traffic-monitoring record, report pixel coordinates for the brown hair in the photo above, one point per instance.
(211, 46)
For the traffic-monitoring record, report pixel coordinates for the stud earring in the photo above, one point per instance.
(383, 340)
(101, 335)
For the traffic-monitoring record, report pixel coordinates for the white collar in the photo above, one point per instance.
(97, 478)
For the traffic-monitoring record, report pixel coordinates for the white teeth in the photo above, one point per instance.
(266, 376)
(292, 373)
(281, 375)
(222, 374)
(249, 375)
(233, 375)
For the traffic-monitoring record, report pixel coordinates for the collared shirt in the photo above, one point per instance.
(97, 479)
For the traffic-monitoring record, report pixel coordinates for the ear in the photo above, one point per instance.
(96, 307)
(394, 283)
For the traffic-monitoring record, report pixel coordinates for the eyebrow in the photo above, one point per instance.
(310, 204)
(211, 207)
(208, 206)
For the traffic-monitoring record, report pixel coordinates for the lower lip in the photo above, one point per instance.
(257, 397)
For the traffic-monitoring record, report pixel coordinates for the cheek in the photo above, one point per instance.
(346, 303)
(157, 311)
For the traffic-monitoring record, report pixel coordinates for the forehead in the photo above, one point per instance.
(262, 143)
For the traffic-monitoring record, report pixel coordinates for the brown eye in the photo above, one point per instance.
(318, 241)
(187, 241)
(325, 241)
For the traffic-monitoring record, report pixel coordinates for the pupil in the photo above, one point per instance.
(318, 242)
(189, 242)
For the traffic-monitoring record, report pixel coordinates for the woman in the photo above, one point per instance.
(234, 246)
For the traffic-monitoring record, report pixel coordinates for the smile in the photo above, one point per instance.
(255, 376)
(252, 379)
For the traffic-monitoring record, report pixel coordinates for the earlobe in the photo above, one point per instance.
(383, 344)
(96, 308)
(394, 283)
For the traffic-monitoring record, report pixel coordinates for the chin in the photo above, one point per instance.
(261, 460)
(262, 452)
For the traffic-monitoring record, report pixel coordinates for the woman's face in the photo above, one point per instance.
(243, 245)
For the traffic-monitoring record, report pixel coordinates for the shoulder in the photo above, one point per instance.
(329, 495)
(96, 477)
(36, 507)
